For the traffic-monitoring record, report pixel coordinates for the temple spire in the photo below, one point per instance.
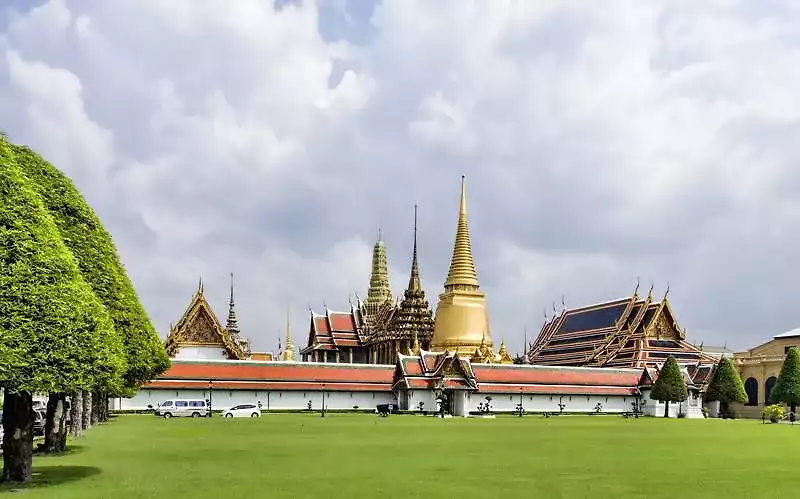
(379, 289)
(462, 274)
(288, 351)
(232, 325)
(414, 281)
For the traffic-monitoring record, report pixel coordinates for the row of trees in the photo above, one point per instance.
(726, 385)
(71, 324)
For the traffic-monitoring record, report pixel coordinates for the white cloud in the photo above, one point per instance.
(600, 144)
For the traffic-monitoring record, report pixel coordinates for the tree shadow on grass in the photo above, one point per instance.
(49, 476)
(71, 450)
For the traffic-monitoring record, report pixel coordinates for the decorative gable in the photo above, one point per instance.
(199, 326)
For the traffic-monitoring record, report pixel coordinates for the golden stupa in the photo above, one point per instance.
(462, 324)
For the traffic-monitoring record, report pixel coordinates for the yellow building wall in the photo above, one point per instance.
(760, 364)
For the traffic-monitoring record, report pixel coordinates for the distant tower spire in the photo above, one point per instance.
(288, 351)
(379, 290)
(233, 325)
(413, 281)
(200, 286)
(462, 274)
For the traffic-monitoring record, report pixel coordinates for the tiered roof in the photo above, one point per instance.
(433, 370)
(629, 332)
(332, 330)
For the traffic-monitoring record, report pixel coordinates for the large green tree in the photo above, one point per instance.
(787, 388)
(51, 323)
(670, 385)
(94, 250)
(726, 387)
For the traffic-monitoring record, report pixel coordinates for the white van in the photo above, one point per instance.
(182, 408)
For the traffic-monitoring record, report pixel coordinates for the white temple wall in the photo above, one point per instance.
(692, 407)
(505, 402)
(272, 400)
(427, 397)
(201, 353)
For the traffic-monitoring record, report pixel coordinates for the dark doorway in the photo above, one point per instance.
(751, 387)
(768, 386)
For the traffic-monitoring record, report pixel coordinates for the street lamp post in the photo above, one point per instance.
(210, 397)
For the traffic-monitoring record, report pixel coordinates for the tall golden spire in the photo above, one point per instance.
(288, 351)
(462, 274)
(462, 323)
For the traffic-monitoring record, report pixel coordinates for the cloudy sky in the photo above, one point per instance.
(651, 139)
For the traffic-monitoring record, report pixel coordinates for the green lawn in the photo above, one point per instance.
(349, 456)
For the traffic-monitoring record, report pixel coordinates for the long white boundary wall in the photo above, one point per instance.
(273, 400)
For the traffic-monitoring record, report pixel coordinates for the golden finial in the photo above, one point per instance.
(415, 349)
(462, 272)
(288, 351)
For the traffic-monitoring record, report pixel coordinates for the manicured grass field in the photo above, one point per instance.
(350, 456)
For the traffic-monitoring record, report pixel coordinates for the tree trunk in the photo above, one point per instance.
(76, 414)
(666, 409)
(792, 407)
(96, 406)
(723, 409)
(55, 431)
(18, 437)
(86, 420)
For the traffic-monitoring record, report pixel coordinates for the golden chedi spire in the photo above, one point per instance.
(288, 351)
(462, 274)
(461, 323)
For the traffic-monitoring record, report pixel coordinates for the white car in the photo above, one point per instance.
(242, 411)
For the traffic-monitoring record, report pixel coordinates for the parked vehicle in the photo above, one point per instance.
(182, 408)
(243, 411)
(38, 423)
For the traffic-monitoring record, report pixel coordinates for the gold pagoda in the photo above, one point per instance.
(461, 321)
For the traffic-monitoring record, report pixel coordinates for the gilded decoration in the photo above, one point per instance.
(461, 321)
(200, 326)
(201, 331)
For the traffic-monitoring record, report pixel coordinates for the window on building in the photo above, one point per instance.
(787, 347)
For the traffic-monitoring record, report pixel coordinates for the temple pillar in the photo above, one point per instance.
(351, 355)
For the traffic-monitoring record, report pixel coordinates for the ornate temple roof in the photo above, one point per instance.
(332, 330)
(199, 326)
(628, 332)
(413, 317)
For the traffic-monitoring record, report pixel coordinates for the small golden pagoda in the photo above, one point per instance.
(461, 323)
(288, 351)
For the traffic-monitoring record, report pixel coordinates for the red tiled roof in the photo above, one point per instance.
(555, 389)
(555, 376)
(321, 324)
(257, 371)
(411, 366)
(342, 322)
(266, 385)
